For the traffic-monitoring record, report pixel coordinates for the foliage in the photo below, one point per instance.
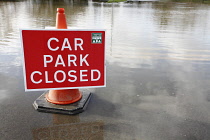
(110, 1)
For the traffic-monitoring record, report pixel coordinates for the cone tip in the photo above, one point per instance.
(60, 10)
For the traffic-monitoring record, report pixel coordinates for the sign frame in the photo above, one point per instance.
(60, 88)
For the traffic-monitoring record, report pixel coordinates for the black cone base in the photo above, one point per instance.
(41, 104)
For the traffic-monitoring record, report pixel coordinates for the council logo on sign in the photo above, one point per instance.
(96, 38)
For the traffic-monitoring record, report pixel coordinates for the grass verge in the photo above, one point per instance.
(110, 1)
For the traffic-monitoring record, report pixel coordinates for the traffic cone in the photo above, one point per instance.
(67, 96)
(66, 101)
(61, 19)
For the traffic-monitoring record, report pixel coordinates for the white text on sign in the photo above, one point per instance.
(61, 76)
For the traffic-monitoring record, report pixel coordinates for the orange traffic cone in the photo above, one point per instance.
(61, 19)
(66, 101)
(66, 96)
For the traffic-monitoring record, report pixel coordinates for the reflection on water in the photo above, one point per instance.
(70, 128)
(74, 131)
(161, 31)
(158, 70)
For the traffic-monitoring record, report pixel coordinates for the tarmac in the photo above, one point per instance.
(165, 102)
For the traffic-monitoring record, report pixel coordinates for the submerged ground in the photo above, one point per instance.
(158, 72)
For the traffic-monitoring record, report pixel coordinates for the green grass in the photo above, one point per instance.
(110, 1)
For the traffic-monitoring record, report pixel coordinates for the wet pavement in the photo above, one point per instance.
(158, 72)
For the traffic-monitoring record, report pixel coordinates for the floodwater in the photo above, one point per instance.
(158, 72)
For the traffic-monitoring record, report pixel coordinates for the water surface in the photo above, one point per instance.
(158, 72)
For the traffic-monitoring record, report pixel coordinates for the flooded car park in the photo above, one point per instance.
(158, 72)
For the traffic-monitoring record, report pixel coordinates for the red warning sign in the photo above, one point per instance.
(63, 59)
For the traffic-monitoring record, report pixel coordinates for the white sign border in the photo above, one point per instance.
(60, 88)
